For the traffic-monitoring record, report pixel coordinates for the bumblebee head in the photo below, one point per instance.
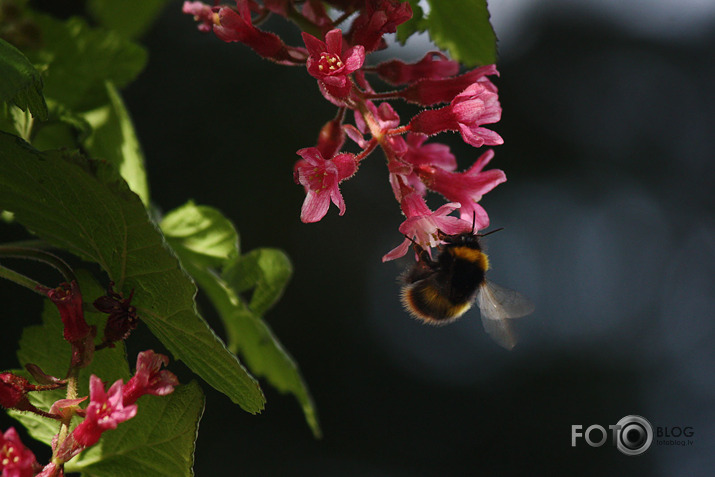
(467, 239)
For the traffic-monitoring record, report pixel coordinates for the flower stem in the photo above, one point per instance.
(21, 279)
(41, 256)
(72, 387)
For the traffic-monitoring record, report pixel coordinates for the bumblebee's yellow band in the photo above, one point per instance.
(471, 255)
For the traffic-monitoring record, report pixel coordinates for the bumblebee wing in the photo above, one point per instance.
(497, 305)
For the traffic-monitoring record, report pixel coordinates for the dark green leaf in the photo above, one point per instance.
(113, 139)
(79, 60)
(202, 238)
(129, 18)
(85, 207)
(20, 82)
(158, 441)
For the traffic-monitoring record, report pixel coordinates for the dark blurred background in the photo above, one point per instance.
(608, 215)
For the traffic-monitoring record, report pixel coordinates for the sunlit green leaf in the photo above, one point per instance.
(460, 27)
(202, 231)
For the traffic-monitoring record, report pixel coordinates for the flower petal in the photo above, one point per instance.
(315, 206)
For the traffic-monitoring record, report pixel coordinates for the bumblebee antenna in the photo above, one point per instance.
(490, 232)
(474, 222)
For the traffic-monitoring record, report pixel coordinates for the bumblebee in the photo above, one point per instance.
(440, 291)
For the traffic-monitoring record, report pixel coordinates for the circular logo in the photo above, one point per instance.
(635, 435)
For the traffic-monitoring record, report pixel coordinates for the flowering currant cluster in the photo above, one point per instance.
(336, 59)
(107, 407)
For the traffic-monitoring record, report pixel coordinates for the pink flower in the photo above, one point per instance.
(434, 65)
(68, 299)
(237, 26)
(51, 470)
(416, 153)
(330, 65)
(476, 105)
(380, 120)
(149, 378)
(16, 460)
(378, 18)
(320, 178)
(66, 408)
(442, 90)
(434, 154)
(467, 187)
(422, 225)
(105, 411)
(384, 116)
(204, 14)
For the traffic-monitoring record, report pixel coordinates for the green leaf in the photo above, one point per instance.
(129, 18)
(158, 441)
(20, 82)
(84, 206)
(460, 27)
(45, 346)
(79, 60)
(250, 336)
(203, 232)
(204, 238)
(113, 138)
(463, 29)
(267, 270)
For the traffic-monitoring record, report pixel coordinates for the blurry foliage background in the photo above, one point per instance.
(608, 216)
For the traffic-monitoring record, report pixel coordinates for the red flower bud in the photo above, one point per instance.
(13, 390)
(68, 299)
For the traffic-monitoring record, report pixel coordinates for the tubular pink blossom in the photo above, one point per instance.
(68, 299)
(422, 224)
(16, 460)
(51, 470)
(467, 187)
(434, 65)
(105, 411)
(238, 26)
(378, 18)
(433, 91)
(320, 178)
(473, 107)
(149, 378)
(384, 114)
(433, 154)
(205, 14)
(13, 390)
(330, 65)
